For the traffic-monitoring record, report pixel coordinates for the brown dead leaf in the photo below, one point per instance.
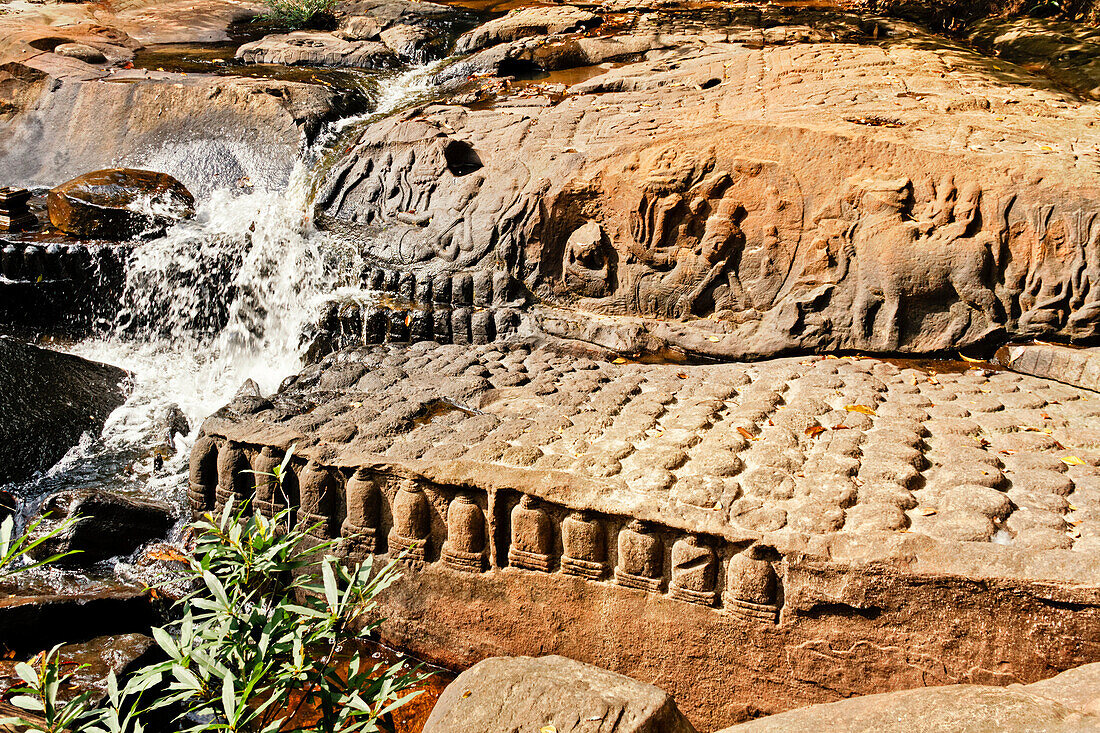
(1072, 461)
(681, 375)
(864, 409)
(926, 511)
(746, 434)
(814, 430)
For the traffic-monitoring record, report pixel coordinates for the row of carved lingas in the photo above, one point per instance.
(751, 582)
(482, 288)
(355, 325)
(52, 262)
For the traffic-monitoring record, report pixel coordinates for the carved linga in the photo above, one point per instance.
(751, 588)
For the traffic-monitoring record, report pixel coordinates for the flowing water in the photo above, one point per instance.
(220, 299)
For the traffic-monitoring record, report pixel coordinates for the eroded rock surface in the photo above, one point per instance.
(828, 514)
(1066, 703)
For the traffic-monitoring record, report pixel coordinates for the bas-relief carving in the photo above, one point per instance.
(351, 508)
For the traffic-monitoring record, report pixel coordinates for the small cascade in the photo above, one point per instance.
(220, 299)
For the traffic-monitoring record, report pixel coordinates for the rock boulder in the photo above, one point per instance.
(108, 525)
(119, 203)
(50, 400)
(552, 693)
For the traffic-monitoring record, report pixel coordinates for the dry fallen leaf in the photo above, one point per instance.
(620, 360)
(715, 339)
(746, 434)
(467, 694)
(681, 375)
(860, 408)
(926, 511)
(1072, 461)
(964, 357)
(814, 430)
(548, 729)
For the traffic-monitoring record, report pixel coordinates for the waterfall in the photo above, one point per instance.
(220, 299)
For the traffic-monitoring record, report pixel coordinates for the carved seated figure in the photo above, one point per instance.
(317, 501)
(585, 549)
(641, 561)
(202, 474)
(267, 500)
(360, 528)
(532, 536)
(411, 522)
(465, 545)
(694, 571)
(232, 477)
(752, 586)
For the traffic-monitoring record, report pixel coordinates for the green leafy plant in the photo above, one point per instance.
(297, 13)
(39, 694)
(14, 548)
(266, 644)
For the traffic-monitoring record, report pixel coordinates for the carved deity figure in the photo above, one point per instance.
(585, 549)
(202, 474)
(360, 527)
(532, 536)
(317, 501)
(411, 522)
(464, 548)
(752, 586)
(266, 500)
(641, 558)
(694, 571)
(586, 264)
(233, 479)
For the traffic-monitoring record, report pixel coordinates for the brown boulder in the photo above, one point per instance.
(528, 694)
(119, 203)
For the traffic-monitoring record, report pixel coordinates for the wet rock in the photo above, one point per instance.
(119, 203)
(31, 621)
(360, 28)
(1066, 703)
(526, 693)
(407, 40)
(109, 525)
(82, 52)
(536, 21)
(90, 663)
(313, 48)
(49, 401)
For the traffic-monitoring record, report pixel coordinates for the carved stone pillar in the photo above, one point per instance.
(641, 560)
(233, 482)
(751, 587)
(411, 522)
(360, 527)
(465, 545)
(202, 474)
(585, 546)
(317, 501)
(532, 537)
(694, 571)
(266, 499)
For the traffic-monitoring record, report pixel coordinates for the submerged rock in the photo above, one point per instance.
(50, 400)
(30, 621)
(552, 693)
(91, 662)
(109, 525)
(119, 203)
